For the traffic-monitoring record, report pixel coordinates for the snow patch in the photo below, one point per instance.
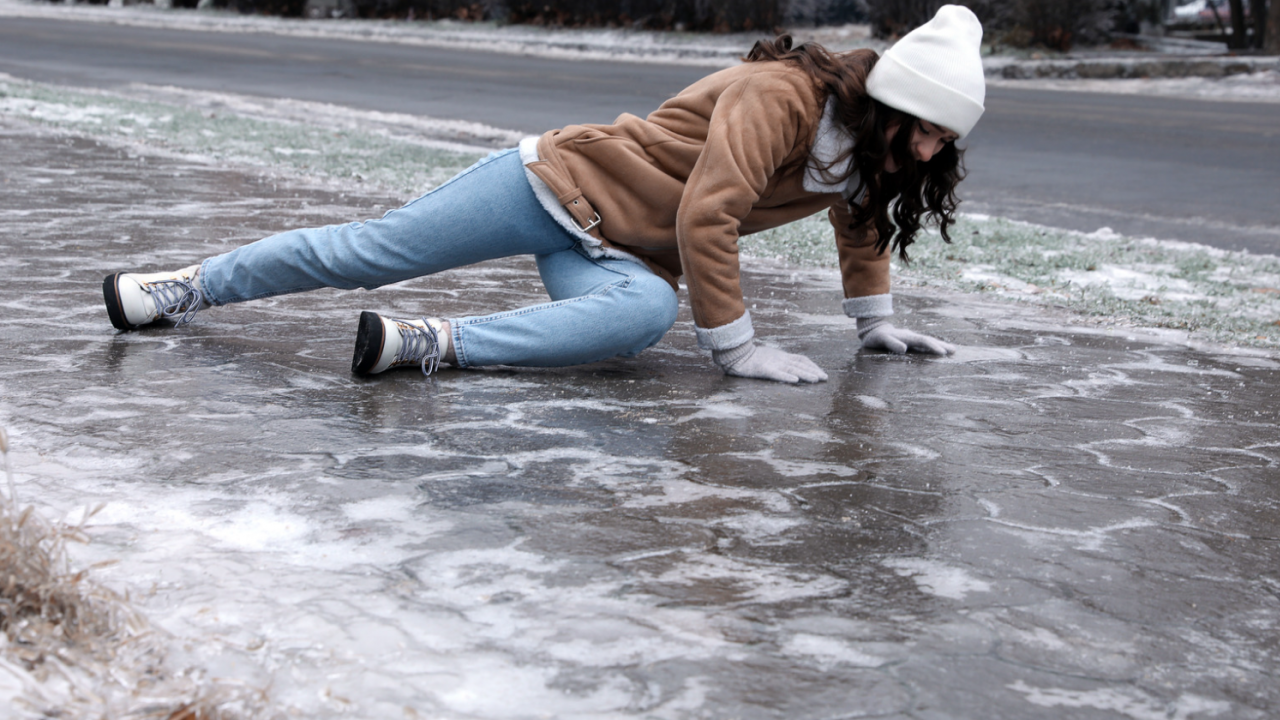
(936, 578)
(1131, 703)
(829, 652)
(1261, 86)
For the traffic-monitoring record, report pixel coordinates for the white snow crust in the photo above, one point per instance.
(1258, 87)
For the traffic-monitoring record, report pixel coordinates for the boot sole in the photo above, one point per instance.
(369, 343)
(111, 296)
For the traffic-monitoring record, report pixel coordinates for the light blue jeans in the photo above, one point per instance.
(600, 308)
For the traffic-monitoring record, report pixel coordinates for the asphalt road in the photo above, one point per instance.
(1179, 169)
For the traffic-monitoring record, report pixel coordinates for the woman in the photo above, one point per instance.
(615, 214)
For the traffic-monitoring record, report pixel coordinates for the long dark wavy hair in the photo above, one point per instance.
(917, 190)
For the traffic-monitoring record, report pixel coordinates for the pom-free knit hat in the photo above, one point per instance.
(935, 71)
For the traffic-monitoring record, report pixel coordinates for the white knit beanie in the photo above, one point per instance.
(935, 71)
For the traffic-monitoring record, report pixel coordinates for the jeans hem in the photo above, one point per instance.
(459, 347)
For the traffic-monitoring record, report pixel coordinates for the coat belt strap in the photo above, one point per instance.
(551, 170)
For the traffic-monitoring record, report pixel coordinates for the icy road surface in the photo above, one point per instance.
(1055, 523)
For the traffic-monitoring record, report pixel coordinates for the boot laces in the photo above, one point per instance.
(418, 345)
(176, 298)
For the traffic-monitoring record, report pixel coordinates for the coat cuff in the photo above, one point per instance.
(726, 336)
(868, 306)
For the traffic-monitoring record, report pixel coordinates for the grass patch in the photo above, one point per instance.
(1225, 297)
(374, 160)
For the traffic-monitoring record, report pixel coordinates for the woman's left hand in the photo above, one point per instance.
(766, 363)
(880, 334)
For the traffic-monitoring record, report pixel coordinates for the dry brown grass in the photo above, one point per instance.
(81, 650)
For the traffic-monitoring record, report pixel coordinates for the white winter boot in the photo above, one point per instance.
(135, 299)
(383, 343)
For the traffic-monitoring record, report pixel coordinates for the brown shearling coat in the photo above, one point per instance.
(724, 158)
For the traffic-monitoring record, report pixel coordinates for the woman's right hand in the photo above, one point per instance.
(766, 363)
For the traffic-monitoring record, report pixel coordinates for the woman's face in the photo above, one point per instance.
(926, 141)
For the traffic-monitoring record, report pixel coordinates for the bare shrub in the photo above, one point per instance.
(1053, 24)
(429, 9)
(895, 18)
(81, 650)
(1059, 24)
(704, 15)
(284, 8)
(1129, 16)
(823, 12)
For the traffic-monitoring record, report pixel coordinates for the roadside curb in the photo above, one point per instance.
(1117, 68)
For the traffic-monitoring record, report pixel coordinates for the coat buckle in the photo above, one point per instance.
(592, 224)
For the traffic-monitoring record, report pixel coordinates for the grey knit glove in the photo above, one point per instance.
(879, 334)
(759, 361)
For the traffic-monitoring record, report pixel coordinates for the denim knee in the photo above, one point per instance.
(651, 307)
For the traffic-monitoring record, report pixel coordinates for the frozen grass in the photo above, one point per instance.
(70, 648)
(1218, 296)
(403, 165)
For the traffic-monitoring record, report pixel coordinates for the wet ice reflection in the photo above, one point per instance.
(1052, 522)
